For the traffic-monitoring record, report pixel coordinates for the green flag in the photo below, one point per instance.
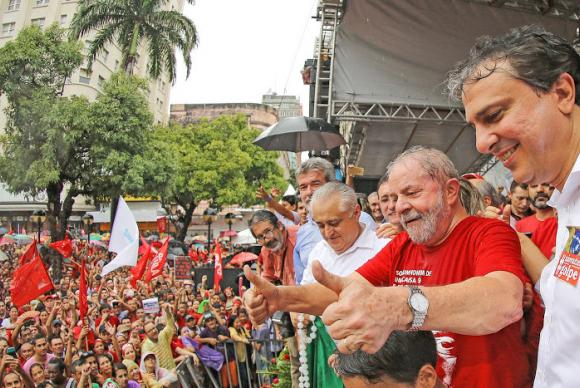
(322, 347)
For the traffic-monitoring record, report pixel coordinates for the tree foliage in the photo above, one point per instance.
(134, 23)
(66, 145)
(216, 161)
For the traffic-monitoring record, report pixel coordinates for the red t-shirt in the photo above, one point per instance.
(543, 232)
(476, 247)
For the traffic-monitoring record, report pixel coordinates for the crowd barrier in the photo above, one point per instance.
(246, 373)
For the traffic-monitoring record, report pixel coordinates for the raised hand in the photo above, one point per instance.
(364, 316)
(262, 300)
(387, 230)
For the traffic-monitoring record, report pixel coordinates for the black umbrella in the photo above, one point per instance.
(299, 134)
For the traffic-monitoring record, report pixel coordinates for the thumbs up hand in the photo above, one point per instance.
(364, 316)
(262, 300)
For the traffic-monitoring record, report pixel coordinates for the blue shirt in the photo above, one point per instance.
(308, 236)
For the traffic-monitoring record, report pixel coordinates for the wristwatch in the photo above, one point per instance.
(419, 304)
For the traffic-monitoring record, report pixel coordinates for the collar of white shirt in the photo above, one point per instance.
(569, 193)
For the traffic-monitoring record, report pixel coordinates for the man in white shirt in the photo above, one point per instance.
(521, 91)
(346, 243)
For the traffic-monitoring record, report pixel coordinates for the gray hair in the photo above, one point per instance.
(433, 162)
(486, 189)
(536, 57)
(470, 197)
(317, 164)
(346, 193)
(373, 194)
(261, 216)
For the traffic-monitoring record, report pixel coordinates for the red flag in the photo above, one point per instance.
(29, 281)
(64, 247)
(158, 262)
(28, 255)
(83, 304)
(218, 271)
(138, 270)
(143, 247)
(161, 224)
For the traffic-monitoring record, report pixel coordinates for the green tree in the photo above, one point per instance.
(215, 160)
(38, 154)
(121, 121)
(67, 146)
(133, 23)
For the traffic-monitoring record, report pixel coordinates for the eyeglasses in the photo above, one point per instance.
(268, 234)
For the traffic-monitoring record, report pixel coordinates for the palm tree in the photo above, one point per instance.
(132, 23)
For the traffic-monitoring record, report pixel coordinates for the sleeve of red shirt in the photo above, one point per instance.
(377, 270)
(498, 249)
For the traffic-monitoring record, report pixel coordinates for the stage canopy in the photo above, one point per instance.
(390, 62)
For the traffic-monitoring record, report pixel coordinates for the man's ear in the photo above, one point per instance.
(427, 377)
(452, 190)
(564, 89)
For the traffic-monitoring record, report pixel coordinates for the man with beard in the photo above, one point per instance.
(461, 276)
(543, 225)
(275, 262)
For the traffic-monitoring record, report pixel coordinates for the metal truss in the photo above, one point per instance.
(483, 164)
(356, 111)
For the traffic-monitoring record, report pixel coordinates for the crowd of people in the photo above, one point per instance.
(434, 280)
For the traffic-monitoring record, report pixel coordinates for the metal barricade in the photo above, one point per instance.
(258, 355)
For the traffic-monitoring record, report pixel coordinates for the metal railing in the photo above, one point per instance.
(258, 355)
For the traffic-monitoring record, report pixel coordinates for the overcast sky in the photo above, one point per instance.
(246, 49)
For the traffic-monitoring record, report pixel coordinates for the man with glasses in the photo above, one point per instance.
(346, 245)
(275, 262)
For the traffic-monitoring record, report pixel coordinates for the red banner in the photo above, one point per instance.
(138, 271)
(218, 270)
(161, 224)
(64, 247)
(158, 262)
(29, 281)
(83, 303)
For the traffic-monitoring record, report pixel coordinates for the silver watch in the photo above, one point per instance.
(419, 304)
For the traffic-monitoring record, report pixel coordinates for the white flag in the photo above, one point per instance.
(124, 239)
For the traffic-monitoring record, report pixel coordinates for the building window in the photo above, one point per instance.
(116, 64)
(38, 22)
(42, 2)
(101, 81)
(63, 20)
(13, 5)
(8, 28)
(84, 77)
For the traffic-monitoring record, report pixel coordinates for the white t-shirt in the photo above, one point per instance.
(364, 248)
(559, 352)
